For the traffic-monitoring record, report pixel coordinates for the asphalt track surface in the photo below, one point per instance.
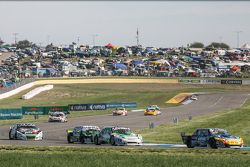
(55, 133)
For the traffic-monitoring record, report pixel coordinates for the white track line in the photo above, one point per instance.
(244, 102)
(217, 101)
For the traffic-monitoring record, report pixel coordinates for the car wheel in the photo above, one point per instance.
(10, 136)
(212, 143)
(82, 140)
(112, 141)
(69, 139)
(96, 140)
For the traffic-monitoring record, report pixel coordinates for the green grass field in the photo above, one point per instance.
(143, 94)
(236, 121)
(122, 157)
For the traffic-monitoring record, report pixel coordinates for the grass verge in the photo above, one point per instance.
(236, 121)
(120, 157)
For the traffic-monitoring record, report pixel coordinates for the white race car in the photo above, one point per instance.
(120, 111)
(25, 132)
(58, 117)
(193, 97)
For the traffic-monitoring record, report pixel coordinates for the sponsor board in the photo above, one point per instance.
(32, 110)
(189, 81)
(231, 82)
(122, 104)
(84, 107)
(207, 81)
(43, 110)
(101, 106)
(6, 114)
(49, 109)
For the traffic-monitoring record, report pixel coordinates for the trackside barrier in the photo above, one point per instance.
(44, 110)
(189, 81)
(36, 91)
(231, 82)
(6, 114)
(179, 98)
(101, 106)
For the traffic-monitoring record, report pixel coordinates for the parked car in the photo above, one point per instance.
(118, 136)
(25, 132)
(211, 137)
(82, 134)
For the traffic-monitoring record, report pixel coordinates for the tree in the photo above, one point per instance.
(23, 44)
(197, 45)
(218, 45)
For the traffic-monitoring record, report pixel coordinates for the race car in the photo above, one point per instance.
(193, 97)
(58, 117)
(118, 136)
(25, 132)
(152, 110)
(120, 111)
(82, 134)
(212, 137)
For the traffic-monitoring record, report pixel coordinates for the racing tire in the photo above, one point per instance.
(112, 141)
(212, 143)
(96, 140)
(69, 139)
(189, 143)
(10, 136)
(82, 140)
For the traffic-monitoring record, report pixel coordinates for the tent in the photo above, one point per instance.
(246, 46)
(137, 62)
(109, 45)
(120, 66)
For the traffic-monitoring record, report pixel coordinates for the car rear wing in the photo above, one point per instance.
(69, 131)
(185, 137)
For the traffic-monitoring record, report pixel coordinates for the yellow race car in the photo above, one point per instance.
(152, 110)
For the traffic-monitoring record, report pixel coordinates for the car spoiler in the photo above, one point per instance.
(69, 131)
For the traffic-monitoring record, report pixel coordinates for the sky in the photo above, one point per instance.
(160, 24)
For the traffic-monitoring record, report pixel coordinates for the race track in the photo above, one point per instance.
(55, 133)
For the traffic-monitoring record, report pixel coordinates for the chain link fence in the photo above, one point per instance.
(17, 85)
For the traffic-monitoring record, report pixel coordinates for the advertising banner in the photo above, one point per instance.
(231, 82)
(44, 110)
(84, 107)
(122, 104)
(33, 110)
(6, 114)
(189, 81)
(49, 109)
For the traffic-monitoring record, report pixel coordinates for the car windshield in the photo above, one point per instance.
(27, 127)
(122, 131)
(221, 132)
(56, 115)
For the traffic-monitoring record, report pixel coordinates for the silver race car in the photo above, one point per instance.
(58, 117)
(25, 132)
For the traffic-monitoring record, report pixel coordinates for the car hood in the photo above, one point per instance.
(229, 137)
(125, 136)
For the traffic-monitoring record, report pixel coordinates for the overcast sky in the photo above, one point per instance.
(161, 24)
